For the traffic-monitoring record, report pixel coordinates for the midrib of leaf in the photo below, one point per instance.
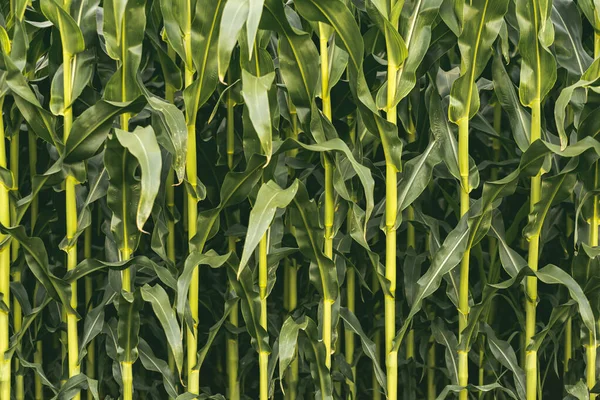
(151, 359)
(445, 260)
(75, 57)
(516, 101)
(202, 70)
(514, 367)
(538, 77)
(413, 24)
(299, 65)
(123, 57)
(146, 157)
(254, 318)
(91, 192)
(113, 336)
(418, 167)
(87, 335)
(449, 347)
(505, 245)
(236, 187)
(571, 40)
(129, 333)
(474, 60)
(454, 285)
(549, 203)
(342, 37)
(124, 202)
(326, 294)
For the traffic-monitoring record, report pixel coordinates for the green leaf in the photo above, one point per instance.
(176, 14)
(444, 260)
(234, 17)
(128, 327)
(554, 190)
(74, 385)
(591, 75)
(481, 23)
(417, 175)
(83, 68)
(194, 260)
(124, 26)
(250, 301)
(92, 326)
(504, 353)
(161, 305)
(559, 315)
(337, 145)
(41, 121)
(447, 339)
(519, 118)
(553, 275)
(298, 57)
(538, 66)
(570, 53)
(310, 236)
(170, 120)
(142, 144)
(91, 128)
(37, 260)
(270, 197)
(256, 98)
(446, 132)
(212, 332)
(235, 188)
(155, 364)
(416, 31)
(205, 35)
(512, 261)
(315, 352)
(351, 323)
(255, 9)
(72, 38)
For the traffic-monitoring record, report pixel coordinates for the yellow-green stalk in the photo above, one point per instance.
(290, 297)
(71, 215)
(126, 253)
(431, 392)
(191, 166)
(463, 300)
(591, 348)
(431, 366)
(170, 197)
(568, 345)
(533, 259)
(410, 238)
(37, 356)
(17, 312)
(391, 206)
(329, 199)
(263, 357)
(291, 302)
(90, 361)
(5, 367)
(494, 269)
(232, 340)
(350, 291)
(376, 340)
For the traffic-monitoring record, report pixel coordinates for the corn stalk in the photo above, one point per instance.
(5, 374)
(479, 31)
(538, 74)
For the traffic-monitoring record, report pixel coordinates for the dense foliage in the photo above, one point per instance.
(299, 199)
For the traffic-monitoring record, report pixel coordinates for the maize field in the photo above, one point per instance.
(299, 199)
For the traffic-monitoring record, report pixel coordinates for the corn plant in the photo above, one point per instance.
(260, 199)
